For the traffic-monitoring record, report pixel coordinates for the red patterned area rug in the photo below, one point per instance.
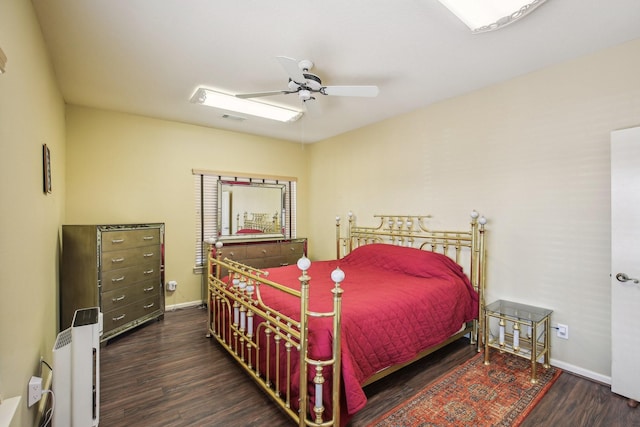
(475, 394)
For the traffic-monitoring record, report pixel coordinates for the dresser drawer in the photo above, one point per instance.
(129, 257)
(123, 296)
(234, 252)
(129, 313)
(114, 279)
(125, 239)
(263, 250)
(146, 306)
(292, 252)
(295, 249)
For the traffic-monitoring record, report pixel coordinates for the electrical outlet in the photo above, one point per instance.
(35, 390)
(563, 331)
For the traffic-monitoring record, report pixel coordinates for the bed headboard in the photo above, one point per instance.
(411, 231)
(466, 247)
(258, 222)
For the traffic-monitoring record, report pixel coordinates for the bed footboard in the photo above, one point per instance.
(270, 346)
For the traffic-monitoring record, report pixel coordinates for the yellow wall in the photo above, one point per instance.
(532, 154)
(130, 169)
(31, 114)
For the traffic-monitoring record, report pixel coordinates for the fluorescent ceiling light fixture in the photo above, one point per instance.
(227, 102)
(489, 15)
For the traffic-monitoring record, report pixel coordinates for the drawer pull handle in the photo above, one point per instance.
(122, 316)
(117, 279)
(264, 251)
(148, 254)
(149, 305)
(116, 260)
(148, 289)
(292, 249)
(147, 238)
(148, 271)
(114, 241)
(120, 298)
(232, 253)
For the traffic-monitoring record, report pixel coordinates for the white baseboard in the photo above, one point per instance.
(174, 307)
(581, 371)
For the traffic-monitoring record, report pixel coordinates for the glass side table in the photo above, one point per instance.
(528, 336)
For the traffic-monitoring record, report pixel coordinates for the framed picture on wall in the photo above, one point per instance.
(46, 168)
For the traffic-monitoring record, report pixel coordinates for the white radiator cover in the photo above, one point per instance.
(76, 371)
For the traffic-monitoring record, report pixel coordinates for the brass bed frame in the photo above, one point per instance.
(233, 309)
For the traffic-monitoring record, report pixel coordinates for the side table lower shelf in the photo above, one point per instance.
(529, 334)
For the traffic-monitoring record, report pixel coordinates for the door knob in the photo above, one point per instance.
(624, 278)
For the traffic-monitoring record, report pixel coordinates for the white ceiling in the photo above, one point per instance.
(147, 57)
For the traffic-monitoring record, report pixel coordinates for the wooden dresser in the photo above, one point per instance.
(265, 254)
(118, 268)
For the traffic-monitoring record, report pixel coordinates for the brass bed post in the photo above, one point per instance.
(337, 276)
(338, 237)
(303, 264)
(477, 272)
(350, 237)
(473, 276)
(209, 245)
(218, 247)
(206, 274)
(481, 280)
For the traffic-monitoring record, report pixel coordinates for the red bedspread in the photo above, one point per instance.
(397, 301)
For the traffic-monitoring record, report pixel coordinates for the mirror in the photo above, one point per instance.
(251, 210)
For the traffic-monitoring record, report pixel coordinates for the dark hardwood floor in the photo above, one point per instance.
(167, 373)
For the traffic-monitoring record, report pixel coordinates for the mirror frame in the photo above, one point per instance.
(234, 187)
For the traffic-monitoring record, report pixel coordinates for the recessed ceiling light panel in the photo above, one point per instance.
(488, 15)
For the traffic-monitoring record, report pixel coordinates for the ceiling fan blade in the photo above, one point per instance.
(290, 65)
(366, 91)
(259, 94)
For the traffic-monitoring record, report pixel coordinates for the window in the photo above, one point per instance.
(207, 209)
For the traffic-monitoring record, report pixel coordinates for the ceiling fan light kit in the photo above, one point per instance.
(489, 15)
(228, 102)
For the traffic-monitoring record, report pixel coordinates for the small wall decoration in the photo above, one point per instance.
(3, 62)
(46, 168)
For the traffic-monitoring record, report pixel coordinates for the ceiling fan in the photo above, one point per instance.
(307, 84)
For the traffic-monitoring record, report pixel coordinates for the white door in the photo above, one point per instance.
(625, 263)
